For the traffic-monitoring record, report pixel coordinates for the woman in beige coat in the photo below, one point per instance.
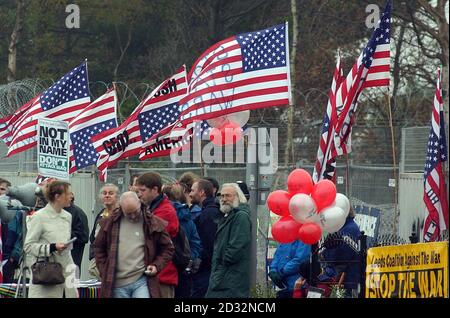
(48, 230)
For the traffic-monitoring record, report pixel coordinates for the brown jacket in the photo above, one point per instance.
(159, 250)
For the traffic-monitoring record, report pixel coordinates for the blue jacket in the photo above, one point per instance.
(287, 260)
(195, 211)
(344, 258)
(14, 242)
(184, 217)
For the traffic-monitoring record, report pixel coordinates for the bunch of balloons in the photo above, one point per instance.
(227, 129)
(307, 209)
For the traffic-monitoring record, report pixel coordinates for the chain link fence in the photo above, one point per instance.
(366, 174)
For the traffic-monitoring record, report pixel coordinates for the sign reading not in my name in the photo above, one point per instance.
(53, 148)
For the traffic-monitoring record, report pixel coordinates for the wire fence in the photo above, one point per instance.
(366, 174)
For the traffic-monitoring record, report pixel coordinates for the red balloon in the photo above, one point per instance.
(299, 181)
(285, 230)
(310, 233)
(228, 134)
(215, 135)
(278, 202)
(231, 133)
(324, 194)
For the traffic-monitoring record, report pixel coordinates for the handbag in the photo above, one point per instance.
(46, 272)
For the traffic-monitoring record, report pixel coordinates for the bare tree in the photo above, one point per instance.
(429, 22)
(15, 37)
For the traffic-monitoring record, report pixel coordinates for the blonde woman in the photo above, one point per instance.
(48, 233)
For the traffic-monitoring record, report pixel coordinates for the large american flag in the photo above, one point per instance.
(435, 195)
(62, 101)
(158, 110)
(244, 72)
(372, 69)
(99, 116)
(325, 165)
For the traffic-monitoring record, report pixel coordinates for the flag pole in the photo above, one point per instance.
(394, 167)
(346, 176)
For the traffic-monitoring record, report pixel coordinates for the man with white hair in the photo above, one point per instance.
(131, 248)
(230, 271)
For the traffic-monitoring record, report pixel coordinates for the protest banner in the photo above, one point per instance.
(408, 271)
(53, 148)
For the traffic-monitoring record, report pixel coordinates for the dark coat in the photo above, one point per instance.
(343, 258)
(206, 225)
(230, 271)
(98, 217)
(80, 230)
(159, 249)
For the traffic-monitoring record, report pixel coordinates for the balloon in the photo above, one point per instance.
(299, 181)
(226, 135)
(215, 135)
(231, 133)
(303, 209)
(240, 118)
(278, 202)
(324, 194)
(332, 219)
(310, 233)
(342, 202)
(285, 230)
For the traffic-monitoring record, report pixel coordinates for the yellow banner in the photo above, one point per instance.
(408, 271)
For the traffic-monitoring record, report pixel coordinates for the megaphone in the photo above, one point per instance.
(25, 193)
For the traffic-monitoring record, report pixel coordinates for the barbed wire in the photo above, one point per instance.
(371, 128)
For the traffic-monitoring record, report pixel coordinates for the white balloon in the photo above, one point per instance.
(240, 118)
(342, 202)
(332, 219)
(303, 209)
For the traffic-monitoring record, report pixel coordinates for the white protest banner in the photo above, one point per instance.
(53, 148)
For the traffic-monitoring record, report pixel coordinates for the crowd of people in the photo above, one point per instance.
(134, 241)
(138, 239)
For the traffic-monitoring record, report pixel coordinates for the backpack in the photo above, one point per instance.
(182, 254)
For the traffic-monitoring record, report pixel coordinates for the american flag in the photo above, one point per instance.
(370, 70)
(173, 138)
(158, 110)
(99, 116)
(325, 165)
(244, 72)
(435, 195)
(62, 101)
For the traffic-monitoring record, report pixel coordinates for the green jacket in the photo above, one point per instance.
(230, 271)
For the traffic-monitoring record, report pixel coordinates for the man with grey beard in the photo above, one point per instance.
(230, 271)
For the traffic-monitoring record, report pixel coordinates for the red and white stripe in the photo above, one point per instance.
(25, 133)
(327, 138)
(437, 218)
(347, 95)
(131, 124)
(215, 91)
(102, 109)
